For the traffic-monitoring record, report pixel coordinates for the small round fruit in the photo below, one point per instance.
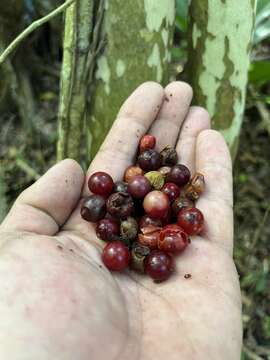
(116, 256)
(149, 160)
(93, 208)
(149, 236)
(107, 229)
(128, 229)
(139, 186)
(181, 203)
(101, 183)
(156, 204)
(146, 220)
(169, 156)
(120, 186)
(179, 175)
(132, 171)
(138, 255)
(191, 220)
(159, 265)
(120, 205)
(147, 142)
(171, 190)
(172, 239)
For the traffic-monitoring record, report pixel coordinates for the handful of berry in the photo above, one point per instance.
(148, 217)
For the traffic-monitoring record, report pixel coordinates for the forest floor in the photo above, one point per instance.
(24, 156)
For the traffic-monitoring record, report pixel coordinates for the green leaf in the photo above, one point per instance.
(259, 72)
(181, 15)
(262, 32)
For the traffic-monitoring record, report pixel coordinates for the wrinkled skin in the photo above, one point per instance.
(57, 301)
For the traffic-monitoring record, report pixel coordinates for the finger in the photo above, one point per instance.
(197, 120)
(134, 119)
(45, 206)
(178, 96)
(213, 160)
(120, 146)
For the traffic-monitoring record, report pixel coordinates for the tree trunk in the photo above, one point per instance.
(220, 35)
(138, 39)
(81, 44)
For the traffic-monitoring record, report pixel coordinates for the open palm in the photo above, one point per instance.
(57, 301)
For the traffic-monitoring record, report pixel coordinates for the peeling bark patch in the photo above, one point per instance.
(154, 60)
(120, 68)
(103, 72)
(157, 11)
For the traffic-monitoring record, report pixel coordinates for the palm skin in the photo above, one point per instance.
(57, 301)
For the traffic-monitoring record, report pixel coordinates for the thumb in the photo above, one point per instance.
(46, 205)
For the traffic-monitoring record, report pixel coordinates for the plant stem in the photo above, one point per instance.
(32, 27)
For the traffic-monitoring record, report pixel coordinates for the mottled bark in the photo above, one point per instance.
(138, 39)
(220, 34)
(80, 46)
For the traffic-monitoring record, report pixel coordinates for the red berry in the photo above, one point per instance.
(93, 208)
(191, 220)
(107, 229)
(132, 171)
(149, 236)
(116, 256)
(146, 220)
(171, 190)
(149, 160)
(179, 175)
(172, 239)
(147, 142)
(139, 186)
(159, 265)
(101, 183)
(156, 204)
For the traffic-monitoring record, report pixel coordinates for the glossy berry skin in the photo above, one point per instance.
(120, 186)
(179, 175)
(146, 220)
(132, 171)
(120, 205)
(149, 160)
(93, 208)
(101, 183)
(171, 190)
(107, 229)
(191, 220)
(149, 236)
(116, 256)
(159, 265)
(173, 239)
(139, 186)
(156, 204)
(147, 142)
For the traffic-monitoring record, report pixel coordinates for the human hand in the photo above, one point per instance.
(58, 301)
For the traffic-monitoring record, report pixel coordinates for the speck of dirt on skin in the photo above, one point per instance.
(71, 250)
(60, 247)
(171, 95)
(187, 276)
(167, 99)
(100, 266)
(66, 181)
